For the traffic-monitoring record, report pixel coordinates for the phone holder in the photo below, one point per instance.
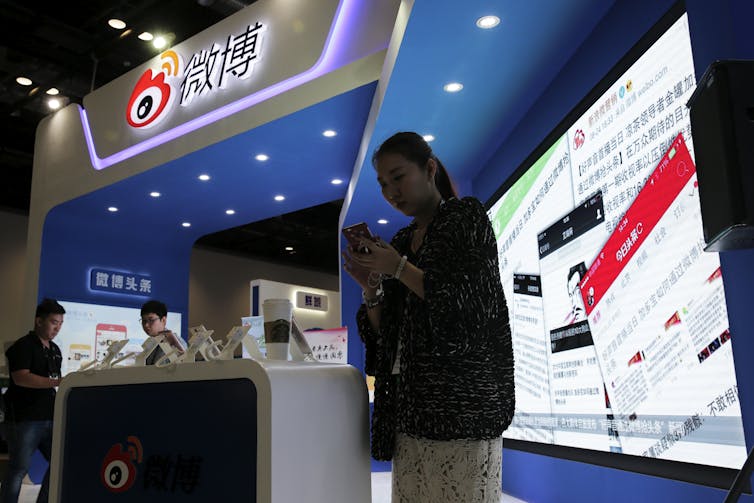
(172, 355)
(201, 343)
(111, 357)
(200, 339)
(234, 338)
(299, 347)
(148, 346)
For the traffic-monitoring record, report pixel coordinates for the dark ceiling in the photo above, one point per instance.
(70, 46)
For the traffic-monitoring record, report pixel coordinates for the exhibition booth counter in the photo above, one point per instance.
(272, 431)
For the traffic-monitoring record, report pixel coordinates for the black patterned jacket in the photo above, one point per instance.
(456, 363)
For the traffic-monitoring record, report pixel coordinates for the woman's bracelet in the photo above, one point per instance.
(401, 266)
(375, 301)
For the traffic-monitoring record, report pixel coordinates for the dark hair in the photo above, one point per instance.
(579, 268)
(156, 307)
(414, 148)
(48, 307)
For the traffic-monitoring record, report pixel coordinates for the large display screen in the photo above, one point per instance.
(619, 321)
(88, 330)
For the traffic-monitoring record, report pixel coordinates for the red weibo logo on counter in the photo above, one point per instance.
(153, 96)
(118, 469)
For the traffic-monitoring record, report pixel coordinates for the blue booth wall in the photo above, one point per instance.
(719, 30)
(72, 245)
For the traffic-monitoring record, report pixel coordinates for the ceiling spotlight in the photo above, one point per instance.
(145, 36)
(53, 91)
(155, 194)
(382, 221)
(329, 133)
(487, 22)
(262, 157)
(118, 24)
(112, 209)
(125, 33)
(203, 177)
(24, 81)
(453, 87)
(53, 103)
(336, 181)
(159, 42)
(289, 248)
(279, 198)
(428, 138)
(185, 224)
(230, 212)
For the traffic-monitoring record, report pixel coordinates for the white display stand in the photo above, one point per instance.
(312, 427)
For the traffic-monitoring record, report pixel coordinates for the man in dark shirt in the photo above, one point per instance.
(34, 364)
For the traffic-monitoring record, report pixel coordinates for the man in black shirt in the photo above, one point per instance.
(34, 364)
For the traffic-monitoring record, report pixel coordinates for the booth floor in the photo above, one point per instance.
(381, 483)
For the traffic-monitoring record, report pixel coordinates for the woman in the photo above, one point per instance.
(435, 327)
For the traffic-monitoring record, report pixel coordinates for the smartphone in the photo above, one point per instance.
(355, 234)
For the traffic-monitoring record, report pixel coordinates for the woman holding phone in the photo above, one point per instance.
(435, 327)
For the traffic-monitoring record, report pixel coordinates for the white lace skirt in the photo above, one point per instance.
(434, 471)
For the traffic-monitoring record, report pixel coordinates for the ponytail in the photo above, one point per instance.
(444, 184)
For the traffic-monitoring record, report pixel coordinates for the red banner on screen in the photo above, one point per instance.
(660, 190)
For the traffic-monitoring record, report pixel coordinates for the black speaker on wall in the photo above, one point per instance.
(722, 125)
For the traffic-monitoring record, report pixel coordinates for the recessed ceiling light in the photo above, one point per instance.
(428, 138)
(288, 248)
(453, 87)
(203, 177)
(279, 198)
(159, 42)
(487, 22)
(53, 103)
(185, 224)
(230, 212)
(112, 209)
(262, 157)
(382, 221)
(336, 181)
(53, 91)
(24, 81)
(329, 133)
(145, 36)
(155, 194)
(118, 24)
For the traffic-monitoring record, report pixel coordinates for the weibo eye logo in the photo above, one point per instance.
(118, 470)
(152, 96)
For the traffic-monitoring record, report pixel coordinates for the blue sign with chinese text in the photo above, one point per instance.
(104, 280)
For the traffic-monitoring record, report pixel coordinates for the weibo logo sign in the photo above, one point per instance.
(153, 96)
(208, 70)
(118, 468)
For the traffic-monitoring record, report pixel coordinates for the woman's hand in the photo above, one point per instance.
(378, 257)
(358, 273)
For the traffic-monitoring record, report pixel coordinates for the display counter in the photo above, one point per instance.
(238, 430)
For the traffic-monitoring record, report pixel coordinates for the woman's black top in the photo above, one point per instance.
(456, 365)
